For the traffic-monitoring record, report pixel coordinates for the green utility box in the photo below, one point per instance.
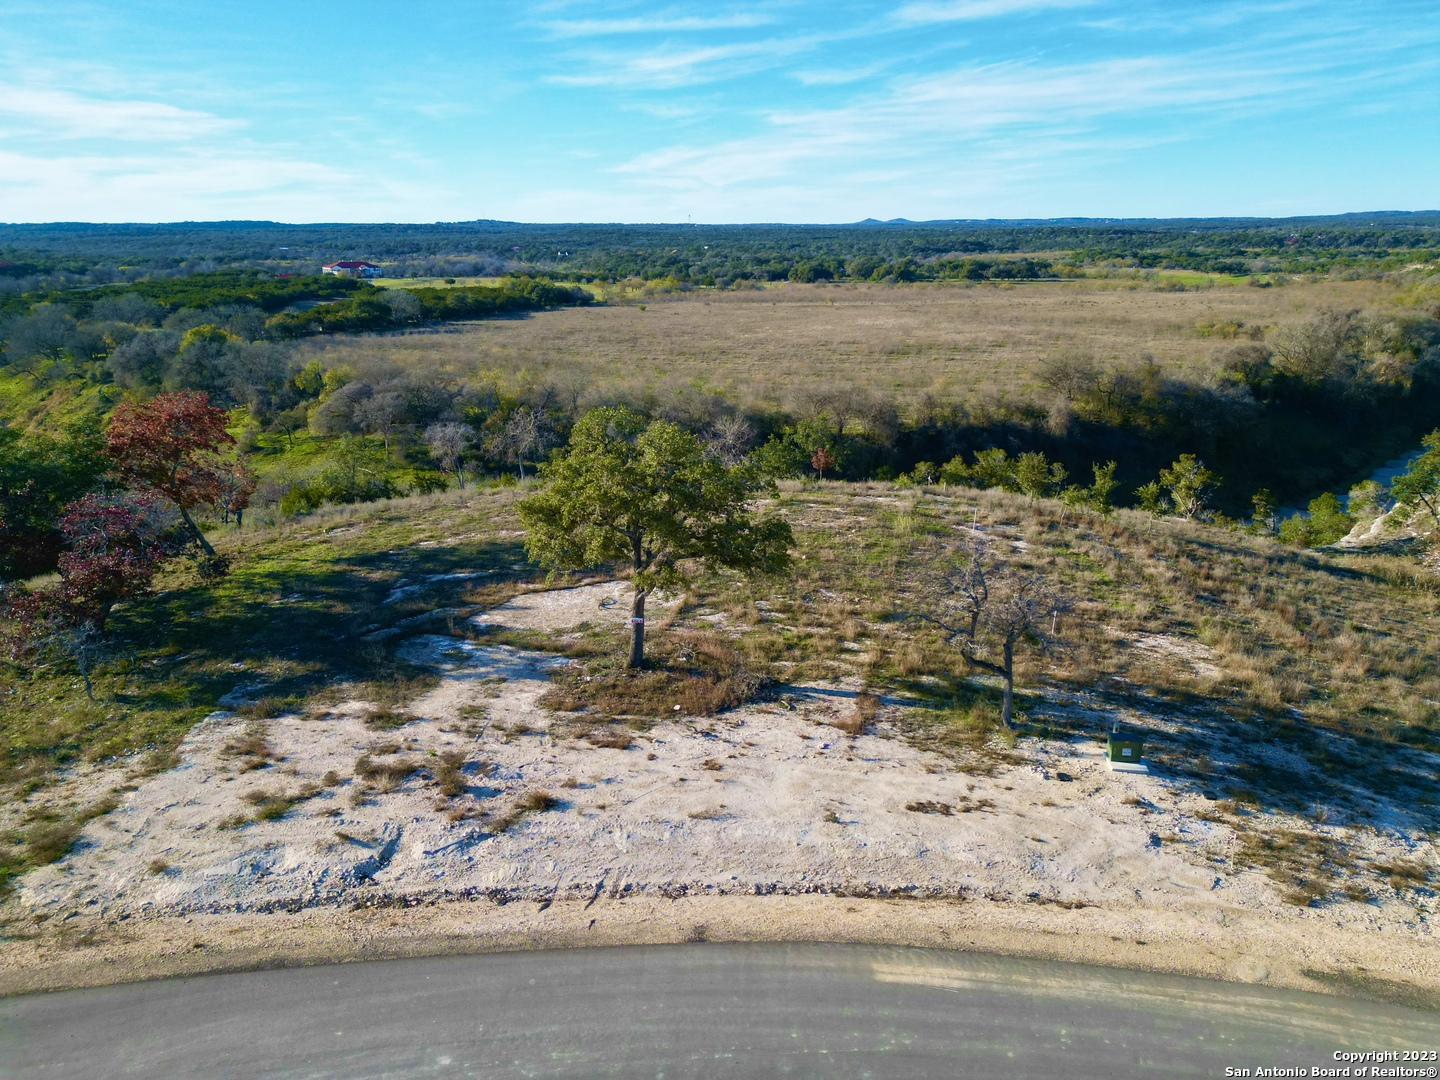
(1124, 746)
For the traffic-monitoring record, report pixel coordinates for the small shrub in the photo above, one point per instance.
(386, 775)
(537, 801)
(448, 775)
(612, 738)
(532, 802)
(387, 718)
(51, 840)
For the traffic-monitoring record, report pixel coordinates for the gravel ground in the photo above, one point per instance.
(769, 800)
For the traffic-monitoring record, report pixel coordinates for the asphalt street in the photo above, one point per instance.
(690, 1011)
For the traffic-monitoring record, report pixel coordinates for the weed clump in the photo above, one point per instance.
(1402, 874)
(268, 708)
(1304, 864)
(532, 802)
(387, 718)
(867, 707)
(251, 750)
(48, 841)
(384, 775)
(611, 738)
(928, 806)
(449, 775)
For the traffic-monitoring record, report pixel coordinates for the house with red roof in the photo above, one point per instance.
(352, 269)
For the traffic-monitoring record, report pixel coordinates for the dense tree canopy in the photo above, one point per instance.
(40, 474)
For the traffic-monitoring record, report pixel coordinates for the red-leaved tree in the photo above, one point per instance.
(172, 445)
(113, 548)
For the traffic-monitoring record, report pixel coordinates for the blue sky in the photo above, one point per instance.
(785, 110)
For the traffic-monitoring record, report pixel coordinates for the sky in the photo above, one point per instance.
(780, 110)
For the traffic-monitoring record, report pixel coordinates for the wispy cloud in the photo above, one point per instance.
(64, 114)
(104, 152)
(976, 112)
(657, 25)
(837, 76)
(193, 186)
(942, 11)
(669, 68)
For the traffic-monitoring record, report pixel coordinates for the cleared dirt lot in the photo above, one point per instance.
(768, 345)
(769, 800)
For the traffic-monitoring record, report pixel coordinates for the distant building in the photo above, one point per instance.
(353, 269)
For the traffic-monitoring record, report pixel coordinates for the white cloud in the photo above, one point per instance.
(837, 76)
(63, 114)
(670, 68)
(657, 25)
(208, 186)
(940, 11)
(980, 111)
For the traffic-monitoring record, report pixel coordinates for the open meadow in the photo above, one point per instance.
(766, 346)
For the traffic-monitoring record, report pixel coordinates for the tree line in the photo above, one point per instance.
(1306, 409)
(716, 254)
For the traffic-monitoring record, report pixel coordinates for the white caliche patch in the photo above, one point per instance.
(769, 798)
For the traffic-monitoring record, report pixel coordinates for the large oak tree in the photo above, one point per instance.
(647, 493)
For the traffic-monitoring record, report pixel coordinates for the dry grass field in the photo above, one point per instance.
(766, 346)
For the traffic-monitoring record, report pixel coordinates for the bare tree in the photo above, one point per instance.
(1068, 375)
(729, 439)
(1323, 348)
(448, 443)
(521, 434)
(41, 337)
(850, 405)
(986, 608)
(381, 415)
(404, 307)
(527, 434)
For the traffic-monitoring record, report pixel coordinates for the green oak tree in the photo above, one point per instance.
(1190, 484)
(1419, 486)
(647, 493)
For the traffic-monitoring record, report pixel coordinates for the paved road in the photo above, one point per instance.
(691, 1010)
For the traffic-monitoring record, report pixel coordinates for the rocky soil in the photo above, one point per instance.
(308, 810)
